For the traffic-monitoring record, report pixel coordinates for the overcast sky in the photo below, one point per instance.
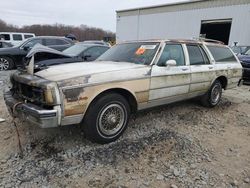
(96, 13)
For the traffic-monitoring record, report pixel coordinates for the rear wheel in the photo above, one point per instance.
(213, 96)
(6, 63)
(107, 118)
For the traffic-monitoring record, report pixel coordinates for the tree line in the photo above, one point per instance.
(82, 32)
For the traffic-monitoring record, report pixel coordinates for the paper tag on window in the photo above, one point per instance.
(140, 51)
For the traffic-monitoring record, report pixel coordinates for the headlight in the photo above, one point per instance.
(48, 95)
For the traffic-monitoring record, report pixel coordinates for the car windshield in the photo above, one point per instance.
(247, 51)
(76, 49)
(138, 53)
(240, 49)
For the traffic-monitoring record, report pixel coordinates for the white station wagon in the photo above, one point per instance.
(131, 76)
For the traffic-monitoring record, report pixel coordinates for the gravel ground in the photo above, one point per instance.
(178, 145)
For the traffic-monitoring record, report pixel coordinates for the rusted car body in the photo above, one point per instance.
(61, 95)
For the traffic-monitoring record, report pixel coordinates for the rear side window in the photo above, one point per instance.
(197, 56)
(5, 36)
(222, 54)
(28, 36)
(17, 37)
(61, 42)
(33, 42)
(52, 42)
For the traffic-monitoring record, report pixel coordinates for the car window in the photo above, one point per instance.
(50, 42)
(137, 52)
(61, 42)
(28, 36)
(172, 52)
(76, 49)
(6, 45)
(5, 36)
(221, 54)
(204, 54)
(17, 37)
(247, 52)
(33, 42)
(94, 52)
(196, 55)
(53, 42)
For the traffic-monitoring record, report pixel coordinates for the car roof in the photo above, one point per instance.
(59, 37)
(184, 41)
(91, 44)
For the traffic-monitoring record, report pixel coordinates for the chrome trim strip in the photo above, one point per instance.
(168, 100)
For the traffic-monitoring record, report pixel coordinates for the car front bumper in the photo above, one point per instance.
(31, 113)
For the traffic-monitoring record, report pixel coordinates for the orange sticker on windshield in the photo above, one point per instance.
(140, 51)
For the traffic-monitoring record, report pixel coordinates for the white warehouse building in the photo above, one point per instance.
(224, 20)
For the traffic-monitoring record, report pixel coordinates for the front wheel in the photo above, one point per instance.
(213, 96)
(107, 118)
(6, 63)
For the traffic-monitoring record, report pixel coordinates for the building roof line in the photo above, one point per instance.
(161, 5)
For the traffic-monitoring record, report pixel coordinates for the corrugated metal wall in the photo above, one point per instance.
(182, 24)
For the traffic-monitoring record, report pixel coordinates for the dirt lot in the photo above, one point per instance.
(179, 145)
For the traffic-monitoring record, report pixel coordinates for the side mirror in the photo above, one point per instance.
(171, 63)
(26, 48)
(86, 57)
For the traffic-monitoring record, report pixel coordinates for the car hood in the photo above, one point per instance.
(98, 71)
(5, 51)
(38, 48)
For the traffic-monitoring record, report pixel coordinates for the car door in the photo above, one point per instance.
(202, 69)
(170, 82)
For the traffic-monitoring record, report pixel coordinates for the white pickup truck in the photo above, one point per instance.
(130, 76)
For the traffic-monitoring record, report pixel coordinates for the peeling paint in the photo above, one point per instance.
(72, 95)
(74, 109)
(142, 97)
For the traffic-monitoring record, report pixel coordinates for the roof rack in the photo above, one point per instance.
(208, 40)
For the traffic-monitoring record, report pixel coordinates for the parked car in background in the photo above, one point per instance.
(100, 42)
(5, 44)
(80, 52)
(15, 38)
(239, 49)
(130, 76)
(244, 58)
(13, 57)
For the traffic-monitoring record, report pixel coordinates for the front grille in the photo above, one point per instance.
(30, 93)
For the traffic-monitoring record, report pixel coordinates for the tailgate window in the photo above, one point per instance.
(222, 54)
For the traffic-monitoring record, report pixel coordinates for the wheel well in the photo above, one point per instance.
(125, 93)
(223, 81)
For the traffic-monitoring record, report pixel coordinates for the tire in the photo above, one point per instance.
(213, 96)
(107, 118)
(6, 63)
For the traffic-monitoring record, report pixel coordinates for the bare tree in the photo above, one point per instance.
(82, 32)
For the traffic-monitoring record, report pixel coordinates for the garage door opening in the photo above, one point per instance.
(216, 29)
